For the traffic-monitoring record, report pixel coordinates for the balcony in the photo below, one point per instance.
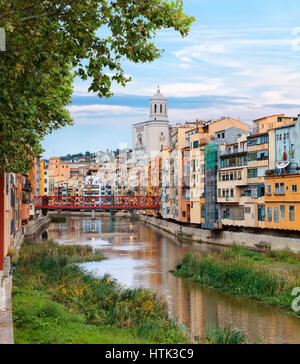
(26, 186)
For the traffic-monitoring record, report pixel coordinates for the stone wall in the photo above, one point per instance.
(30, 230)
(224, 238)
(88, 214)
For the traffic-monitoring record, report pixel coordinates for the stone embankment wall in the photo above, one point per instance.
(35, 226)
(224, 238)
(88, 214)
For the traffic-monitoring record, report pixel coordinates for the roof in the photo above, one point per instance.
(270, 116)
(158, 96)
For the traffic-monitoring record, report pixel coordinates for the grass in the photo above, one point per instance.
(57, 219)
(39, 320)
(269, 278)
(225, 336)
(54, 301)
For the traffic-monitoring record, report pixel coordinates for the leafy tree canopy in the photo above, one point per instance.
(48, 40)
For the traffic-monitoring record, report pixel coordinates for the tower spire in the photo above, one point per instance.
(158, 107)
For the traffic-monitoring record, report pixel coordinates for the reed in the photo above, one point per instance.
(264, 277)
(101, 303)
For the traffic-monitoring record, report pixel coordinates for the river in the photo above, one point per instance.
(142, 256)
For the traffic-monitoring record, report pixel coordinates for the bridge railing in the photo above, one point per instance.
(97, 202)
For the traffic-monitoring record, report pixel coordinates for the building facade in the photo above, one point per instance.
(150, 137)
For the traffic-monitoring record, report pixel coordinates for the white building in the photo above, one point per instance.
(150, 137)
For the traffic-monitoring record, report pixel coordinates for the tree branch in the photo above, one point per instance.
(46, 15)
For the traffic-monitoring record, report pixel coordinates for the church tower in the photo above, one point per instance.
(158, 107)
(152, 136)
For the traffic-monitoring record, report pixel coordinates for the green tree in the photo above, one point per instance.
(51, 42)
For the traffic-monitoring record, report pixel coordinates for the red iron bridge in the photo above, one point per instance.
(97, 202)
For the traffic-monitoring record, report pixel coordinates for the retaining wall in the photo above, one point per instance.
(224, 238)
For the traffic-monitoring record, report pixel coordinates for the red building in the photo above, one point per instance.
(1, 221)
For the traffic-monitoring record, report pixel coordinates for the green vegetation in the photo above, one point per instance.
(51, 42)
(225, 336)
(57, 219)
(54, 301)
(269, 278)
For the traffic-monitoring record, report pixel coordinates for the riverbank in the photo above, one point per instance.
(259, 242)
(54, 301)
(266, 277)
(6, 322)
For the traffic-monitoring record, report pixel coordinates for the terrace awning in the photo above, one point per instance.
(282, 165)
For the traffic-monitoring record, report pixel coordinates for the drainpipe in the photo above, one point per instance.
(297, 142)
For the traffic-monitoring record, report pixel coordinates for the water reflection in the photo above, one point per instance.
(140, 255)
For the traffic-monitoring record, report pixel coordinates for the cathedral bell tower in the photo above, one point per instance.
(158, 107)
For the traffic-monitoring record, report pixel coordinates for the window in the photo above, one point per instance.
(203, 212)
(292, 213)
(270, 214)
(294, 188)
(226, 214)
(252, 157)
(276, 188)
(196, 144)
(276, 214)
(261, 213)
(282, 190)
(269, 189)
(232, 193)
(252, 173)
(282, 212)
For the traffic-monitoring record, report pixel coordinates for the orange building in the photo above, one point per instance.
(57, 168)
(283, 202)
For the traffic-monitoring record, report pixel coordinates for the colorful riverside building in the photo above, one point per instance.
(204, 180)
(16, 196)
(57, 171)
(283, 178)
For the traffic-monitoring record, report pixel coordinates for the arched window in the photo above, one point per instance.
(155, 109)
(161, 109)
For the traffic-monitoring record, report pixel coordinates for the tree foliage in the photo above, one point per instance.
(48, 40)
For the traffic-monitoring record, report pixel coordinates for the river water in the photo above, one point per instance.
(142, 256)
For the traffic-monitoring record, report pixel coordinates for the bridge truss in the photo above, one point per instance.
(97, 202)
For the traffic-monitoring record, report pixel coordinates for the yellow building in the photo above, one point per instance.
(267, 123)
(283, 202)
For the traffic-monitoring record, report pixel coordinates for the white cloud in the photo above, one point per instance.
(82, 90)
(105, 110)
(198, 51)
(204, 86)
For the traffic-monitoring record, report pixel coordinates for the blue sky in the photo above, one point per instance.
(241, 59)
